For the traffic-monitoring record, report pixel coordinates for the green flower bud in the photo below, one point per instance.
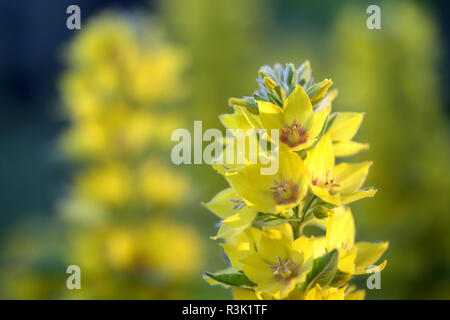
(321, 212)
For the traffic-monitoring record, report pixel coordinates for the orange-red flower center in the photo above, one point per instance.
(293, 135)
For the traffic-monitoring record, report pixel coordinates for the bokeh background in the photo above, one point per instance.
(86, 117)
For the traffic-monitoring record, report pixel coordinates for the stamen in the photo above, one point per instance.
(285, 191)
(238, 204)
(284, 269)
(328, 184)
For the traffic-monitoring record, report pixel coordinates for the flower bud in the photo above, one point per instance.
(321, 212)
(319, 90)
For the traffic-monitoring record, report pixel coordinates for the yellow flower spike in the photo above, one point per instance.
(272, 193)
(276, 262)
(298, 124)
(336, 184)
(279, 265)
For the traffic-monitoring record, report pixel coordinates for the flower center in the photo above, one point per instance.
(329, 183)
(284, 191)
(293, 135)
(285, 269)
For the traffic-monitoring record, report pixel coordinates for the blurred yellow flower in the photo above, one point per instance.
(109, 184)
(159, 185)
(172, 248)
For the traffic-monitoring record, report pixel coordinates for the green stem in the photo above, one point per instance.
(305, 211)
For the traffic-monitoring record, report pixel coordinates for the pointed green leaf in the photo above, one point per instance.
(323, 270)
(235, 279)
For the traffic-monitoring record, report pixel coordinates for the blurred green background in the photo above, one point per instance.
(69, 99)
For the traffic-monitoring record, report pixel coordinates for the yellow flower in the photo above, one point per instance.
(279, 265)
(233, 211)
(248, 241)
(154, 76)
(158, 184)
(338, 184)
(109, 184)
(343, 128)
(121, 249)
(353, 258)
(298, 124)
(172, 249)
(272, 193)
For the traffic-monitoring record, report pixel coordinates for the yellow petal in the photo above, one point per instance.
(368, 254)
(316, 122)
(254, 188)
(235, 121)
(221, 205)
(355, 196)
(252, 118)
(348, 148)
(256, 268)
(320, 160)
(315, 293)
(272, 249)
(236, 223)
(244, 217)
(271, 115)
(351, 176)
(305, 247)
(297, 107)
(237, 252)
(341, 229)
(325, 195)
(279, 232)
(346, 262)
(345, 125)
(375, 268)
(319, 246)
(302, 248)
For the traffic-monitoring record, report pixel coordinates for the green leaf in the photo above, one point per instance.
(340, 278)
(323, 270)
(266, 220)
(235, 279)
